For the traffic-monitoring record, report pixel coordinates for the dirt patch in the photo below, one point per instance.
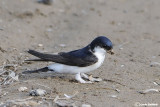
(133, 27)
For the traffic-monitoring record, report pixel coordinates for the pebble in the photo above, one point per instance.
(62, 45)
(86, 105)
(37, 92)
(122, 65)
(22, 89)
(48, 2)
(154, 64)
(40, 45)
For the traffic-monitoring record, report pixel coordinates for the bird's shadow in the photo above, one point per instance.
(66, 77)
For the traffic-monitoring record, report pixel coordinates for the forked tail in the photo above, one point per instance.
(45, 69)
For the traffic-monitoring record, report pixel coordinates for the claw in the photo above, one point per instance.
(79, 78)
(94, 79)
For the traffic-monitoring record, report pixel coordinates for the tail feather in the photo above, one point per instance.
(35, 53)
(35, 60)
(45, 69)
(42, 56)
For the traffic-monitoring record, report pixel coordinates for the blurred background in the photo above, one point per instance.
(132, 25)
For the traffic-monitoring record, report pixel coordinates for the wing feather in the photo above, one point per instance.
(71, 58)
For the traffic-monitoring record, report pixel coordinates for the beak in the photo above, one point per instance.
(110, 52)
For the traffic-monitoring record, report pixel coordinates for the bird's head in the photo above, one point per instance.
(103, 44)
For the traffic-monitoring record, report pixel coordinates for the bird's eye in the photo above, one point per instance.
(104, 46)
(107, 47)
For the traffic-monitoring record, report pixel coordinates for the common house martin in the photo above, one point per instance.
(76, 62)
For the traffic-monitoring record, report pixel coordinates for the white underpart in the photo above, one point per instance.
(61, 68)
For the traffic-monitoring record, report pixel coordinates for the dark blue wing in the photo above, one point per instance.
(82, 57)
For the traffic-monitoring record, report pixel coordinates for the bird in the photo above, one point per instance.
(77, 62)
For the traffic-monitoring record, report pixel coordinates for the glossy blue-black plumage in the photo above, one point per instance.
(81, 57)
(103, 42)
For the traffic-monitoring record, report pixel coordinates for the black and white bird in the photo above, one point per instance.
(76, 62)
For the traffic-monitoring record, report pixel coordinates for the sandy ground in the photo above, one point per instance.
(132, 25)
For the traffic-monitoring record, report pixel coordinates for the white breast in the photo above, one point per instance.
(61, 68)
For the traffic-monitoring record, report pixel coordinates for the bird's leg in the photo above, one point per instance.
(84, 75)
(90, 78)
(79, 78)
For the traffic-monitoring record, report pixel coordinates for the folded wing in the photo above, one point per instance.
(70, 58)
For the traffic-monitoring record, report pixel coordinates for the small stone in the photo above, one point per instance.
(86, 105)
(22, 89)
(154, 64)
(113, 96)
(47, 2)
(40, 45)
(37, 92)
(62, 45)
(122, 65)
